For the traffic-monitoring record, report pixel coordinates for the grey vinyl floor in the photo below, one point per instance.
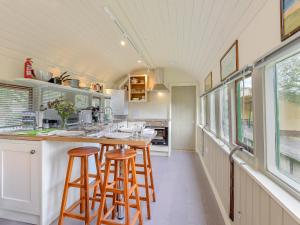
(183, 193)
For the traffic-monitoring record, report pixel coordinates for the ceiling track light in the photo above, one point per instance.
(127, 37)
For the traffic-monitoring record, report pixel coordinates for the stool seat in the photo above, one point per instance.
(83, 151)
(118, 155)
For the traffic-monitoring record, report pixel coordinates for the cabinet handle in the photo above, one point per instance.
(32, 152)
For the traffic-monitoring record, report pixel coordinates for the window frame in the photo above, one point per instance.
(271, 125)
(247, 148)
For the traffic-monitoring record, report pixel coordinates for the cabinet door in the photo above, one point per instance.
(118, 103)
(20, 176)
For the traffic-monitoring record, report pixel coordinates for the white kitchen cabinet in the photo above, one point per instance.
(20, 176)
(119, 102)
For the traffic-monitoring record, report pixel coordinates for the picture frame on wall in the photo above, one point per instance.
(229, 63)
(289, 18)
(208, 82)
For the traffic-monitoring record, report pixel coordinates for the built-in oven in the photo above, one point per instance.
(161, 137)
(162, 130)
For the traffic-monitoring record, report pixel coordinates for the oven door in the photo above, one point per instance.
(161, 137)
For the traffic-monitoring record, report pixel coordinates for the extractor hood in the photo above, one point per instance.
(159, 81)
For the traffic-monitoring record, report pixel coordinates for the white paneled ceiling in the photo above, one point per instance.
(78, 35)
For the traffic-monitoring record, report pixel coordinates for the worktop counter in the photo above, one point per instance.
(102, 140)
(33, 170)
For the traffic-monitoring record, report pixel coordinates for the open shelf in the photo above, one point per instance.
(43, 84)
(138, 88)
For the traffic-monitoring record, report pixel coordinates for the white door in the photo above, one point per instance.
(183, 116)
(20, 176)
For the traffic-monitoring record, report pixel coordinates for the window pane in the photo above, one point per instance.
(50, 96)
(224, 113)
(288, 116)
(212, 110)
(244, 113)
(96, 102)
(81, 101)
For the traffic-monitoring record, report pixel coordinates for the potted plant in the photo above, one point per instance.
(64, 109)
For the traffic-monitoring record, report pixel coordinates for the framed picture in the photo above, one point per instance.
(208, 82)
(290, 18)
(229, 63)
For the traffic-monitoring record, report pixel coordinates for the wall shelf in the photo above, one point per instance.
(43, 84)
(138, 88)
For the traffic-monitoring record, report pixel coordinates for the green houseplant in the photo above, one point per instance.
(64, 109)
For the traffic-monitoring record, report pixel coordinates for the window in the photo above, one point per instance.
(96, 102)
(224, 113)
(287, 108)
(50, 96)
(202, 110)
(212, 112)
(81, 101)
(244, 113)
(14, 100)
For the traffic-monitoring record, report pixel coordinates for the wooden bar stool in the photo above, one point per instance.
(126, 161)
(83, 183)
(104, 148)
(146, 171)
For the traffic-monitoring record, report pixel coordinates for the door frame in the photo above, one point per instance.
(171, 85)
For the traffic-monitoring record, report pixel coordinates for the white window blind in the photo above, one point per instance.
(50, 96)
(14, 100)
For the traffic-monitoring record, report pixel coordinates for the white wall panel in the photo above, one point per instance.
(253, 205)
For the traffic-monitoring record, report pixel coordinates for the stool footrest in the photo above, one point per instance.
(73, 206)
(74, 216)
(111, 222)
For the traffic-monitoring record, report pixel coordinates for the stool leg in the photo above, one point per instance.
(146, 183)
(114, 199)
(82, 183)
(65, 193)
(103, 197)
(151, 174)
(86, 190)
(126, 193)
(98, 173)
(101, 155)
(136, 192)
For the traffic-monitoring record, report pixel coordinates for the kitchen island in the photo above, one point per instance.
(32, 173)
